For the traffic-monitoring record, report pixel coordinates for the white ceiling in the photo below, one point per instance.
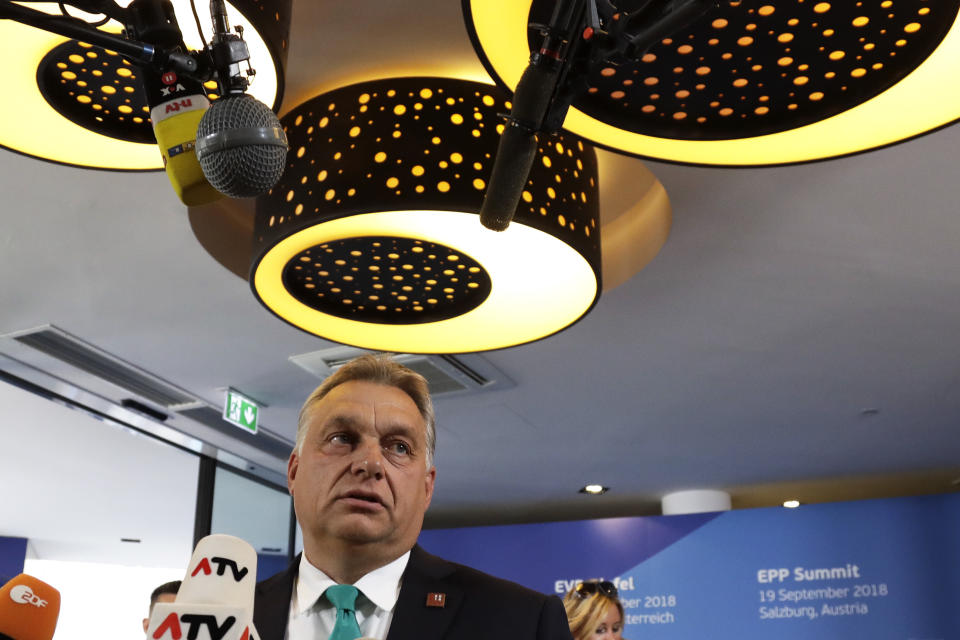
(785, 303)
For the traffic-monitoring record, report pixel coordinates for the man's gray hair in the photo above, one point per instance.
(380, 369)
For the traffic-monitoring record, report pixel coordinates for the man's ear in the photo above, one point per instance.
(428, 485)
(292, 465)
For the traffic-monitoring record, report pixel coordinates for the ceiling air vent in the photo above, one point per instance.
(67, 348)
(447, 375)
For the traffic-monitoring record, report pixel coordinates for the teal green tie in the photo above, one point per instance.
(344, 598)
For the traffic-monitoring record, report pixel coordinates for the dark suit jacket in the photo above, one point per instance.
(477, 606)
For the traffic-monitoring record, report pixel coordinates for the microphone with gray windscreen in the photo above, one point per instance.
(241, 146)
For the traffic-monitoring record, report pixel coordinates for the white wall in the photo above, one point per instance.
(102, 601)
(74, 486)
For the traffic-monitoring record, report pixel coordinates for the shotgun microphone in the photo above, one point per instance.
(581, 35)
(518, 146)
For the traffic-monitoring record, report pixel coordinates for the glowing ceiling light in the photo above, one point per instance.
(372, 237)
(594, 489)
(90, 113)
(755, 84)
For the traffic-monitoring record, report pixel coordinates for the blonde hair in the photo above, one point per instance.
(380, 369)
(585, 611)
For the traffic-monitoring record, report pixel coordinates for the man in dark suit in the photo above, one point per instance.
(361, 477)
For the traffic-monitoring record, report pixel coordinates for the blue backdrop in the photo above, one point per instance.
(13, 551)
(877, 569)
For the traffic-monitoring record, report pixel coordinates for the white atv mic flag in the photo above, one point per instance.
(215, 601)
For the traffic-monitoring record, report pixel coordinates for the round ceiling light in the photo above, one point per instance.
(594, 489)
(372, 237)
(76, 104)
(757, 83)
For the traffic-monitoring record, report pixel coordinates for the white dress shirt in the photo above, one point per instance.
(313, 617)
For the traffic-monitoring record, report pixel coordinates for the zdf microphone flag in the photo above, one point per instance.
(29, 609)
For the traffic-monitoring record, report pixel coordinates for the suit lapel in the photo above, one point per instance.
(425, 576)
(272, 603)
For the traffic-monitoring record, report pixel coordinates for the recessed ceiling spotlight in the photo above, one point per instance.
(869, 412)
(594, 489)
(791, 504)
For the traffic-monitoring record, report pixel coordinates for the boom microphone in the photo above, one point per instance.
(240, 143)
(241, 146)
(515, 155)
(575, 41)
(176, 101)
(177, 105)
(215, 600)
(518, 146)
(29, 609)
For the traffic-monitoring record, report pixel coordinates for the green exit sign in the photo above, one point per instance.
(241, 411)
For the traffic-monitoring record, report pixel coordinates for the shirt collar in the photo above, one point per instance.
(381, 586)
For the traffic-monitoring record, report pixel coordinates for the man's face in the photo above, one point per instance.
(361, 477)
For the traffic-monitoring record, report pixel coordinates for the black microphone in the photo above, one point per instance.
(574, 41)
(515, 155)
(518, 145)
(241, 145)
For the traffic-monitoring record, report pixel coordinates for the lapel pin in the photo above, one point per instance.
(436, 599)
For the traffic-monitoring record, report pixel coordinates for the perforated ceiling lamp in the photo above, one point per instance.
(755, 83)
(372, 238)
(71, 103)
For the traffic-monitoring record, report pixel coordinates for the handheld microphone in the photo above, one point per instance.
(241, 145)
(177, 102)
(177, 105)
(29, 609)
(215, 600)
